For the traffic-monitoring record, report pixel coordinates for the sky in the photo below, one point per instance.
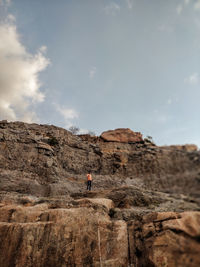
(103, 64)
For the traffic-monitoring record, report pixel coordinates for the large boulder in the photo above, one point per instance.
(122, 135)
(79, 236)
(165, 239)
(81, 233)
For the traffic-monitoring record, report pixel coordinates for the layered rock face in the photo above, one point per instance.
(46, 161)
(165, 239)
(143, 209)
(83, 233)
(77, 236)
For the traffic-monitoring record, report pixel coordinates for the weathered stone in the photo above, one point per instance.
(25, 149)
(44, 146)
(122, 135)
(187, 147)
(172, 241)
(61, 237)
(47, 218)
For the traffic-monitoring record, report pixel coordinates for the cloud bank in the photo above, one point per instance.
(112, 8)
(129, 3)
(195, 5)
(19, 81)
(92, 72)
(68, 114)
(193, 79)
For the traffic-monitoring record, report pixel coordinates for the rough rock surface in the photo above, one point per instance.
(165, 239)
(188, 148)
(46, 160)
(143, 210)
(83, 233)
(122, 135)
(80, 236)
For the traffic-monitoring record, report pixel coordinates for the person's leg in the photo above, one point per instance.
(89, 185)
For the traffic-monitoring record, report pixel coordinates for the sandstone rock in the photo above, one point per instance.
(187, 147)
(44, 146)
(108, 203)
(166, 240)
(122, 135)
(61, 237)
(29, 164)
(47, 218)
(85, 236)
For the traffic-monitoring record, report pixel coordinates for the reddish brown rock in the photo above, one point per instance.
(166, 239)
(84, 235)
(73, 227)
(45, 160)
(40, 237)
(122, 135)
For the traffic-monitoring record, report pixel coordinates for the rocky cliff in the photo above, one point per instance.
(143, 210)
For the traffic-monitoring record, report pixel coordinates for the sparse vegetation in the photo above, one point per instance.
(53, 141)
(91, 133)
(149, 139)
(74, 129)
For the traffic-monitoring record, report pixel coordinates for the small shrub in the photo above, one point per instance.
(91, 133)
(53, 141)
(74, 129)
(149, 139)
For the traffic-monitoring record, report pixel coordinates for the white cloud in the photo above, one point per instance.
(19, 81)
(83, 131)
(129, 3)
(112, 9)
(5, 2)
(11, 18)
(68, 115)
(179, 9)
(169, 101)
(43, 49)
(92, 72)
(185, 3)
(193, 79)
(8, 2)
(197, 5)
(161, 118)
(165, 28)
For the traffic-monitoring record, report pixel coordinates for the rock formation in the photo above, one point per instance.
(122, 135)
(144, 209)
(165, 239)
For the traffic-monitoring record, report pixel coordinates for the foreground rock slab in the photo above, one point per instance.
(143, 210)
(166, 239)
(42, 237)
(85, 235)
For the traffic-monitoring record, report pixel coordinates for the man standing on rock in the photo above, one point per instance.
(89, 181)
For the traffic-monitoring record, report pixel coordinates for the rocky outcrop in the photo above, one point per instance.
(165, 239)
(144, 201)
(122, 135)
(81, 236)
(46, 160)
(82, 233)
(187, 148)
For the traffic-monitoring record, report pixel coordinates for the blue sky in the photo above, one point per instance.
(101, 64)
